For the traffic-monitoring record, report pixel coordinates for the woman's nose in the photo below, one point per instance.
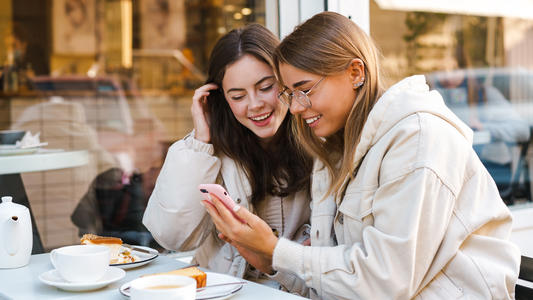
(256, 102)
(296, 108)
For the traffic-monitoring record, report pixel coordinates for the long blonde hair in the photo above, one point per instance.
(325, 45)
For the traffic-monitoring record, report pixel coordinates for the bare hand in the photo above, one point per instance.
(260, 262)
(201, 126)
(254, 234)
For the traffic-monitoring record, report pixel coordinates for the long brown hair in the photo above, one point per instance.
(325, 45)
(281, 168)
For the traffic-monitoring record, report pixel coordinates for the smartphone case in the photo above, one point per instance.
(220, 192)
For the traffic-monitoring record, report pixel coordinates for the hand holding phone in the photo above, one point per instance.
(209, 189)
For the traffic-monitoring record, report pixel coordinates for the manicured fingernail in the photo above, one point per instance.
(209, 197)
(236, 208)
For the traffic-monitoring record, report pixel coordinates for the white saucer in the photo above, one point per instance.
(52, 278)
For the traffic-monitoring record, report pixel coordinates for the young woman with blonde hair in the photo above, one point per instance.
(402, 207)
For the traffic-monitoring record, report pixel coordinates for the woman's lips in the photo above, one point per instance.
(262, 120)
(313, 121)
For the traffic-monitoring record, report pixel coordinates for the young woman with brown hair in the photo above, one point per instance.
(242, 139)
(402, 207)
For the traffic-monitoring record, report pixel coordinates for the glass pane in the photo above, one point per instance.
(111, 77)
(483, 67)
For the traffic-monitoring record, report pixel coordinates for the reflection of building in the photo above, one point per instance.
(85, 113)
(54, 194)
(425, 40)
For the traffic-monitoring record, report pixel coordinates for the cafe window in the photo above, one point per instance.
(111, 79)
(482, 64)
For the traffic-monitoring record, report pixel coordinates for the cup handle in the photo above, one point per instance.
(52, 258)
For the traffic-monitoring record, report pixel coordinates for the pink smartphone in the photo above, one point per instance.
(219, 191)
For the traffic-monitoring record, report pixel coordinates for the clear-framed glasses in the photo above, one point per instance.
(300, 96)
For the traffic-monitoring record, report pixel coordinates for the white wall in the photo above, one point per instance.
(283, 15)
(294, 12)
(357, 10)
(272, 16)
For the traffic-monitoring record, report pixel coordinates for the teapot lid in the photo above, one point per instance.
(7, 204)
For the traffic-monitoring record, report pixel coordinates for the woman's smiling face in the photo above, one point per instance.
(331, 100)
(251, 89)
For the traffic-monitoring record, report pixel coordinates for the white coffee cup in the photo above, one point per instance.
(159, 287)
(81, 263)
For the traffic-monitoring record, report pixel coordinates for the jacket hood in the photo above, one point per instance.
(407, 97)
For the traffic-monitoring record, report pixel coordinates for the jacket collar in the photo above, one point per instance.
(235, 181)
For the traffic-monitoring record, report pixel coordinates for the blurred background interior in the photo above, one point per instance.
(116, 77)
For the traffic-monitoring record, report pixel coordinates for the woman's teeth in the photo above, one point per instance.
(311, 120)
(261, 118)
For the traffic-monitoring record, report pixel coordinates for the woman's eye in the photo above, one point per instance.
(266, 88)
(237, 97)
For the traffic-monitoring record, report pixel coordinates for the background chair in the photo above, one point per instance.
(519, 186)
(522, 291)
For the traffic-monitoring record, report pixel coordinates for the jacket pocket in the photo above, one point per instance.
(354, 214)
(441, 287)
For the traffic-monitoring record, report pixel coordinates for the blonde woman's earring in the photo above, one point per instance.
(359, 84)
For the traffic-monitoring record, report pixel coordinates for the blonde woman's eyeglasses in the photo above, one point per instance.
(300, 96)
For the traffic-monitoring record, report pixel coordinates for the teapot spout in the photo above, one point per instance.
(11, 242)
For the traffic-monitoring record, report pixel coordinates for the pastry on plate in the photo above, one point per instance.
(193, 272)
(117, 254)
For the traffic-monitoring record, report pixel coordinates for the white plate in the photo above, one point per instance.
(53, 278)
(215, 293)
(144, 258)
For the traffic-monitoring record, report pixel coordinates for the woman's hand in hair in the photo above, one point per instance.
(199, 116)
(254, 234)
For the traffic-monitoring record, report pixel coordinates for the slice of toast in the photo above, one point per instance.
(193, 272)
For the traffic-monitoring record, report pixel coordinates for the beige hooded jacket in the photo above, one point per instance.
(421, 219)
(178, 221)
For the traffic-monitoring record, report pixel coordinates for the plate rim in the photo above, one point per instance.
(155, 254)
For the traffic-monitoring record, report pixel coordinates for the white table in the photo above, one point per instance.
(23, 283)
(43, 160)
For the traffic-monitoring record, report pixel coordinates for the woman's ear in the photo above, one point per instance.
(356, 69)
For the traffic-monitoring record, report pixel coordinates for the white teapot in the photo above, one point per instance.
(16, 240)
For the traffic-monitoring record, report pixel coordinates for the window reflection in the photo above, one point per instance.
(501, 134)
(114, 78)
(483, 68)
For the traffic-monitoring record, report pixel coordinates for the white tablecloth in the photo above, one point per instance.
(23, 283)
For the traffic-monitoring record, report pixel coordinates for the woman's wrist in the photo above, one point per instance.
(271, 245)
(201, 136)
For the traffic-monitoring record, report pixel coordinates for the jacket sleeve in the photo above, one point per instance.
(291, 283)
(410, 217)
(174, 214)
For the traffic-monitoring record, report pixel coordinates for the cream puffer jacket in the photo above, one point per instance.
(178, 221)
(421, 219)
